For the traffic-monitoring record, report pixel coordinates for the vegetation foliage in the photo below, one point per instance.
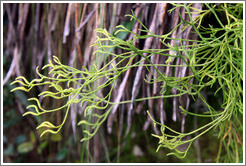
(210, 61)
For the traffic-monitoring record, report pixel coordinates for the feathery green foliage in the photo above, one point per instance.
(213, 60)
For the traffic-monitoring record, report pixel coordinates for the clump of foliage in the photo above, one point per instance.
(213, 60)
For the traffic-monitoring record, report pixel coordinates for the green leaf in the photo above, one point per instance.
(32, 137)
(30, 112)
(48, 131)
(56, 137)
(20, 88)
(46, 124)
(57, 87)
(127, 25)
(41, 147)
(25, 147)
(21, 96)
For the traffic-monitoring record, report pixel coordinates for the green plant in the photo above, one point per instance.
(220, 62)
(213, 60)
